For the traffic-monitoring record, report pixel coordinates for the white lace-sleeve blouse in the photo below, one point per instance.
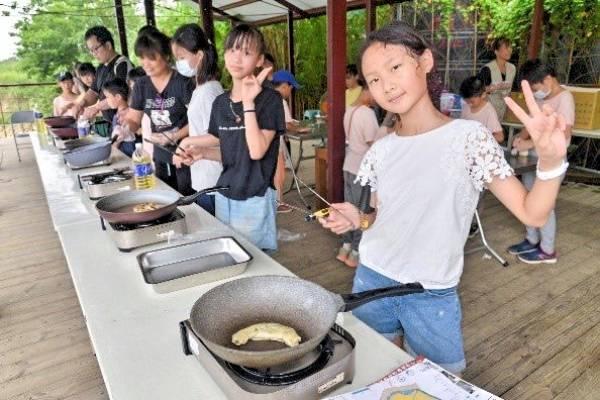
(427, 189)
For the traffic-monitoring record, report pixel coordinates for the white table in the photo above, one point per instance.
(135, 331)
(66, 201)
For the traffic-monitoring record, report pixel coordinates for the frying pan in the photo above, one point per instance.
(89, 154)
(64, 132)
(59, 122)
(305, 306)
(118, 208)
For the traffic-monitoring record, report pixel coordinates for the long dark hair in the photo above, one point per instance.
(401, 34)
(152, 43)
(192, 38)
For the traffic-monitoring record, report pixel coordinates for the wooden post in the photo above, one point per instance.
(336, 90)
(121, 27)
(371, 15)
(207, 19)
(149, 9)
(291, 58)
(535, 40)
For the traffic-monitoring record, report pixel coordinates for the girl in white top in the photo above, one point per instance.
(197, 57)
(425, 181)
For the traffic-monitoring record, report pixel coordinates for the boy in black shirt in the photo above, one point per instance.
(246, 122)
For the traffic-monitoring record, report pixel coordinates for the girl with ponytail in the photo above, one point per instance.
(196, 57)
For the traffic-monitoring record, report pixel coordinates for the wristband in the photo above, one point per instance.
(553, 173)
(247, 111)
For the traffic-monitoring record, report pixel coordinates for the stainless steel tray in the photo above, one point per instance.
(192, 264)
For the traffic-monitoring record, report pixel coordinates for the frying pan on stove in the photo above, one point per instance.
(118, 208)
(305, 306)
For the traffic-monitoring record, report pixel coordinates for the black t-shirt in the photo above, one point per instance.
(244, 176)
(105, 73)
(167, 110)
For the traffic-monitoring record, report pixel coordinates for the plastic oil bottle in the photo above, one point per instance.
(143, 170)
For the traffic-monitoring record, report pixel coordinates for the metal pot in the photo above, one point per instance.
(59, 122)
(305, 306)
(64, 132)
(118, 208)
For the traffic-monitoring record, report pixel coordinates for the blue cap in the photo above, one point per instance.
(285, 76)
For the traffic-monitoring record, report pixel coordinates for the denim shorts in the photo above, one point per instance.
(429, 321)
(254, 218)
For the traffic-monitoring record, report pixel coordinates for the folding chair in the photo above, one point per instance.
(20, 117)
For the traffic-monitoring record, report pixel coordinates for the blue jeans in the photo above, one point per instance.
(430, 321)
(207, 202)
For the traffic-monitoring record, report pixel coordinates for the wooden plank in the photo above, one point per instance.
(553, 377)
(509, 357)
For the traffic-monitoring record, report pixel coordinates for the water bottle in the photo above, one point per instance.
(143, 170)
(83, 127)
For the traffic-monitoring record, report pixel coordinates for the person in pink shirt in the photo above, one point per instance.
(539, 243)
(362, 130)
(478, 108)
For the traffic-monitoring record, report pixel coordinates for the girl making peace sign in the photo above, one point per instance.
(425, 181)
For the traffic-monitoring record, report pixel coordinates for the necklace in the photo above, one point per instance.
(238, 119)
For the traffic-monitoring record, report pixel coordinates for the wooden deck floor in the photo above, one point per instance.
(531, 332)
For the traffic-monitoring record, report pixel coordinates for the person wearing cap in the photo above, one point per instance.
(63, 104)
(285, 82)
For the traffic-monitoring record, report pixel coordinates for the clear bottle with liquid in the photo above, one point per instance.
(143, 170)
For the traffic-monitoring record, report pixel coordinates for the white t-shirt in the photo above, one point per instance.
(205, 173)
(427, 189)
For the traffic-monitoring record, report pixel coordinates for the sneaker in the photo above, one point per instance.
(521, 248)
(474, 230)
(352, 259)
(342, 254)
(538, 256)
(282, 209)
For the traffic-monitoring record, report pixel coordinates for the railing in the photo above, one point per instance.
(23, 97)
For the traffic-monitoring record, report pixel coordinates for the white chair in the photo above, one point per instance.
(20, 117)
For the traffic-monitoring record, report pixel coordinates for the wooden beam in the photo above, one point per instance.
(336, 101)
(226, 15)
(318, 11)
(371, 15)
(149, 9)
(121, 27)
(291, 58)
(237, 4)
(535, 39)
(207, 19)
(293, 8)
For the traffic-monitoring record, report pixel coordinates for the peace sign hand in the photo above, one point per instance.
(252, 85)
(546, 128)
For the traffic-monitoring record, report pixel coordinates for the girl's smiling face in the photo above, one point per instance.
(242, 59)
(396, 79)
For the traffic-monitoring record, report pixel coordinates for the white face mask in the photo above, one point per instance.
(183, 67)
(540, 94)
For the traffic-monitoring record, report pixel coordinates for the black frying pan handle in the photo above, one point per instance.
(185, 200)
(353, 300)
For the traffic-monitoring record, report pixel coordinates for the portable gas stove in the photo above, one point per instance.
(131, 236)
(103, 184)
(309, 378)
(97, 164)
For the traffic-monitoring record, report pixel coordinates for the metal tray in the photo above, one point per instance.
(192, 264)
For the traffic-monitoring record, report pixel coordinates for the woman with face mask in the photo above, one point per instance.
(498, 75)
(196, 58)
